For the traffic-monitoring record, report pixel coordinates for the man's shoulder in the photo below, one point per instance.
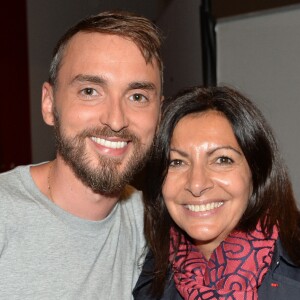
(131, 195)
(11, 172)
(19, 176)
(17, 188)
(132, 201)
(10, 178)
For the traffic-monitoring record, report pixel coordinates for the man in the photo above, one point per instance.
(72, 228)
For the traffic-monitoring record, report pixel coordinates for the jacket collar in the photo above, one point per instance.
(280, 254)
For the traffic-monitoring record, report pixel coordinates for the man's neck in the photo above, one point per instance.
(59, 183)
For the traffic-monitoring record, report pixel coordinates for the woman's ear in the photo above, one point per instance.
(47, 103)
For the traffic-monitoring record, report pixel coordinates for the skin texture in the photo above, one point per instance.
(207, 167)
(104, 87)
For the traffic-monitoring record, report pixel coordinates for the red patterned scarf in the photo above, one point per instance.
(234, 271)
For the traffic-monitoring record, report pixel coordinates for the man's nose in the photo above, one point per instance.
(113, 114)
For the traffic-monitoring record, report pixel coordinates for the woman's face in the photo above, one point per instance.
(209, 182)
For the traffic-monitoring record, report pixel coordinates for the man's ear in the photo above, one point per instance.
(47, 103)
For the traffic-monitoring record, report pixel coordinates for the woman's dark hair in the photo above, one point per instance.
(272, 201)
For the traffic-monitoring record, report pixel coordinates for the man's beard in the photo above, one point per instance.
(104, 178)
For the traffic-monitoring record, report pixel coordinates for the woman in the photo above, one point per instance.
(221, 220)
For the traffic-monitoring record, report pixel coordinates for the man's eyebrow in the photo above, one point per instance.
(143, 85)
(89, 78)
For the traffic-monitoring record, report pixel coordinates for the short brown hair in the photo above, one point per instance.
(138, 29)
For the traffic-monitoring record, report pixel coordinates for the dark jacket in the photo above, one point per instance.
(282, 282)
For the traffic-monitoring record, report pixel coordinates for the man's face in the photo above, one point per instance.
(105, 109)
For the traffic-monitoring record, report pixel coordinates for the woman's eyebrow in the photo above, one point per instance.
(227, 147)
(180, 152)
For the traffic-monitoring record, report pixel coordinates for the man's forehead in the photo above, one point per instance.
(95, 37)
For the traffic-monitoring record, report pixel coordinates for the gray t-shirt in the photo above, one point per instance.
(47, 253)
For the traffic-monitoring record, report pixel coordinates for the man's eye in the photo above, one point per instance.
(89, 92)
(224, 160)
(138, 97)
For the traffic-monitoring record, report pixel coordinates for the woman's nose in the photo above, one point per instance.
(199, 181)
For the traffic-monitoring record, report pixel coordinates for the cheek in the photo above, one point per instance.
(225, 179)
(172, 192)
(246, 184)
(242, 190)
(79, 118)
(247, 191)
(175, 182)
(172, 208)
(165, 190)
(145, 125)
(168, 192)
(238, 182)
(86, 114)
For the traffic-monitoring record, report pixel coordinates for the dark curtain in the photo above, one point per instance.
(208, 39)
(15, 143)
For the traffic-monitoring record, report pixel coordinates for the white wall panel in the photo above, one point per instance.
(259, 54)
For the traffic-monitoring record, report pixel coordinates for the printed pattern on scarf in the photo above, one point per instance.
(234, 271)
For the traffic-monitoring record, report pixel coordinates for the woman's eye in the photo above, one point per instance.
(224, 160)
(138, 97)
(176, 163)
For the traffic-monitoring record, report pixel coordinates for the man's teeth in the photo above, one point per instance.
(204, 207)
(109, 144)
